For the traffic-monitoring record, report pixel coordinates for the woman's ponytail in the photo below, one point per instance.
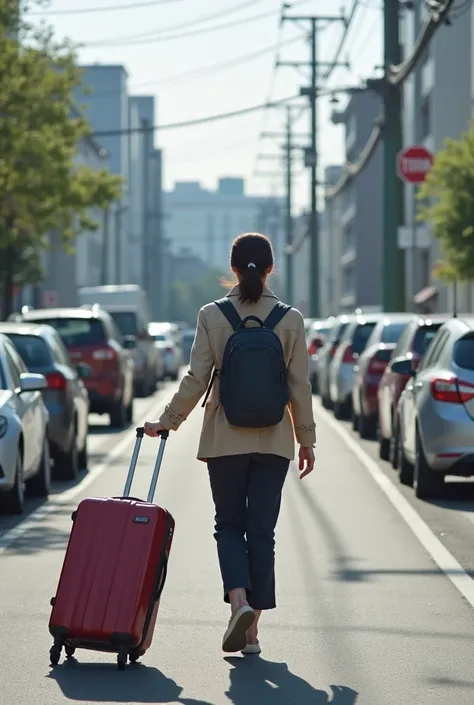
(251, 258)
(251, 284)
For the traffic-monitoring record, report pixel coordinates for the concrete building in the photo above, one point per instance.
(353, 220)
(437, 103)
(206, 222)
(106, 106)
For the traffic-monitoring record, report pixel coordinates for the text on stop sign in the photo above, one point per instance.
(414, 165)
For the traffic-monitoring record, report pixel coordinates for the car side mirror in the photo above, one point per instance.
(130, 342)
(30, 382)
(402, 366)
(83, 370)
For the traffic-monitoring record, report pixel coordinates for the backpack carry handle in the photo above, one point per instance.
(251, 318)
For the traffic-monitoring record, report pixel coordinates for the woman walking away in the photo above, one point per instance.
(250, 354)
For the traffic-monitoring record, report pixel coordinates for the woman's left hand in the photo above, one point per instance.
(153, 428)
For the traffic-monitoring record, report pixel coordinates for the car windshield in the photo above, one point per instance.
(160, 338)
(126, 322)
(361, 336)
(76, 332)
(33, 350)
(391, 332)
(423, 337)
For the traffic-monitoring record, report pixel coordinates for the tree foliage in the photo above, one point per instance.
(43, 187)
(187, 297)
(449, 189)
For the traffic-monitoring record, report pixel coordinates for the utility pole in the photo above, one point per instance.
(146, 205)
(311, 155)
(289, 206)
(393, 259)
(105, 247)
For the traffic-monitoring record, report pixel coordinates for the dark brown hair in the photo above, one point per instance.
(251, 257)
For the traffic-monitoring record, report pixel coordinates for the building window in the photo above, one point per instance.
(348, 280)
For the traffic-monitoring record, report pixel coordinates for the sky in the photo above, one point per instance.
(170, 51)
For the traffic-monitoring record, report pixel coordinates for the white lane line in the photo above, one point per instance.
(65, 497)
(430, 542)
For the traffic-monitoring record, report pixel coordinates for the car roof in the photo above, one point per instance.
(44, 313)
(26, 328)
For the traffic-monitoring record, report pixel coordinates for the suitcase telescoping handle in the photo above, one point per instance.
(133, 463)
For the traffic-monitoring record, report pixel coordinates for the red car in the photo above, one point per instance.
(369, 369)
(413, 343)
(90, 336)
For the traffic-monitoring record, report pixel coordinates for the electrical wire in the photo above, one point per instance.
(203, 71)
(110, 8)
(355, 6)
(152, 37)
(397, 76)
(200, 19)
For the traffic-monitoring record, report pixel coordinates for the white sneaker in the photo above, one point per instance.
(252, 650)
(235, 637)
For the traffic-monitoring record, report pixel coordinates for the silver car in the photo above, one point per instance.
(435, 435)
(326, 354)
(24, 450)
(341, 369)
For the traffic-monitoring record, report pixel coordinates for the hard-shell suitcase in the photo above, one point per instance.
(113, 573)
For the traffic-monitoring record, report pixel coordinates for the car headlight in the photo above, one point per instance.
(3, 426)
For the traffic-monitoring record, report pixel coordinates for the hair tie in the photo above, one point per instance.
(250, 264)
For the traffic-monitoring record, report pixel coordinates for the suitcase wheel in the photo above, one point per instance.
(70, 651)
(134, 657)
(55, 654)
(122, 659)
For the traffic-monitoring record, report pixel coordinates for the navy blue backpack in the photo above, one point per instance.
(254, 388)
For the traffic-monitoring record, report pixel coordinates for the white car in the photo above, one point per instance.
(170, 350)
(24, 450)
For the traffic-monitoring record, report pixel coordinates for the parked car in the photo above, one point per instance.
(90, 336)
(413, 343)
(326, 354)
(187, 339)
(436, 411)
(169, 352)
(369, 368)
(66, 397)
(341, 368)
(24, 448)
(315, 339)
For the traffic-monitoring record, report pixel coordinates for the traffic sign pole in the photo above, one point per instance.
(413, 166)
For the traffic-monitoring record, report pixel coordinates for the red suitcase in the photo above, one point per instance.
(113, 573)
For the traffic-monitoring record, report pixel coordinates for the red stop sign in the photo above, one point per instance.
(414, 164)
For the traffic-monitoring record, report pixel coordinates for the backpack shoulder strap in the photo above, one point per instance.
(229, 311)
(276, 314)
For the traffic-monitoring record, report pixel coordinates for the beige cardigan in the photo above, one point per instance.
(218, 437)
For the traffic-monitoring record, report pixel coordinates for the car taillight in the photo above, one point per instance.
(56, 381)
(312, 348)
(348, 355)
(104, 354)
(452, 390)
(169, 349)
(376, 366)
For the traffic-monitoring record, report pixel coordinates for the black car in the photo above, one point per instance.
(66, 398)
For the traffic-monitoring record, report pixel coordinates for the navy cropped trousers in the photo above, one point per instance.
(247, 495)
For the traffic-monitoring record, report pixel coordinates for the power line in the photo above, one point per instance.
(196, 121)
(109, 8)
(337, 55)
(152, 37)
(396, 78)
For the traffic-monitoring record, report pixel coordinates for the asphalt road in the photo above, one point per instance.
(365, 616)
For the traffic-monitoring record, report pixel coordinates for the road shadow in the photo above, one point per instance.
(106, 430)
(101, 682)
(255, 681)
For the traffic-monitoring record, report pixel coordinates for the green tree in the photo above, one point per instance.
(448, 206)
(42, 187)
(188, 297)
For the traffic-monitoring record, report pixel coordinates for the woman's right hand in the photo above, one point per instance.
(306, 460)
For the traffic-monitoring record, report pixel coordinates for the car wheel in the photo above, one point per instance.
(130, 411)
(354, 420)
(428, 483)
(326, 402)
(393, 449)
(405, 469)
(66, 464)
(83, 456)
(13, 501)
(40, 484)
(314, 384)
(384, 447)
(118, 415)
(367, 425)
(342, 410)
